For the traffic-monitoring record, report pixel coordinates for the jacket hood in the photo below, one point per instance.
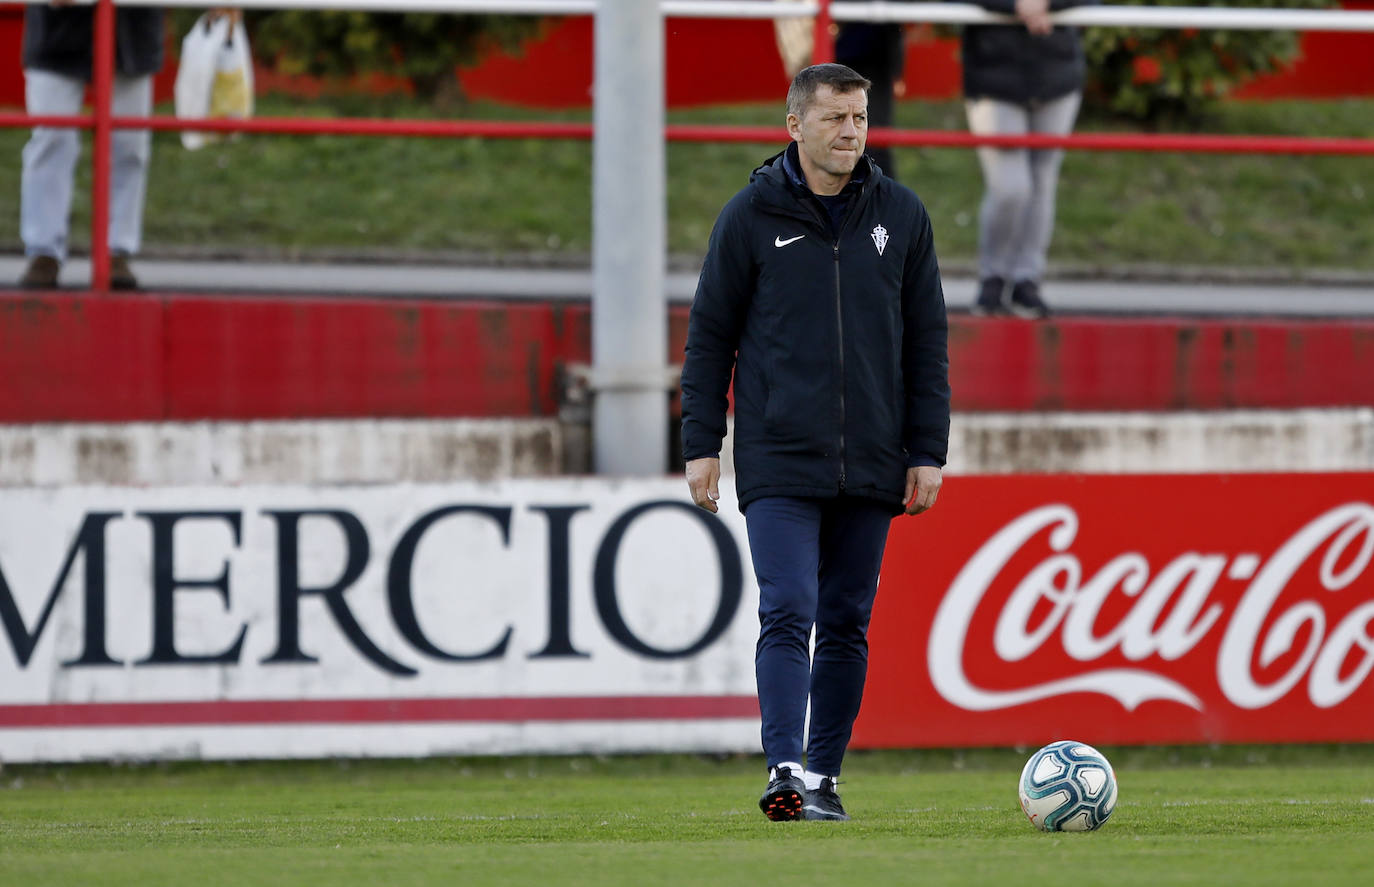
(770, 169)
(773, 172)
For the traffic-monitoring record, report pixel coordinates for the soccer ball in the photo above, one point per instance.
(1067, 787)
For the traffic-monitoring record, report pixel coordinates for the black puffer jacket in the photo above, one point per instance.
(59, 39)
(1009, 63)
(839, 346)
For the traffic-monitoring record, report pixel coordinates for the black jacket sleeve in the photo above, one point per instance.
(713, 332)
(925, 352)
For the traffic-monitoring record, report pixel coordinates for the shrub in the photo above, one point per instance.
(1154, 74)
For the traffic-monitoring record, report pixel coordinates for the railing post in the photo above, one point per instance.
(629, 219)
(823, 49)
(102, 89)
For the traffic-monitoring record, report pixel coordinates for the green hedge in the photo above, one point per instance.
(1153, 74)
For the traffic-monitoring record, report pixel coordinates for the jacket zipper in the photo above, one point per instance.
(854, 209)
(839, 326)
(839, 316)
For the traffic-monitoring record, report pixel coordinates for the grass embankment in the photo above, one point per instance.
(1251, 816)
(303, 195)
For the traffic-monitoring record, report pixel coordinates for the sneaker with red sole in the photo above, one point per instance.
(782, 800)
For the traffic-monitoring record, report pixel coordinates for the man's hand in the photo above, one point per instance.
(1035, 14)
(703, 479)
(922, 487)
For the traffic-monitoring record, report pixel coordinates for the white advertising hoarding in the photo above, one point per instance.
(277, 621)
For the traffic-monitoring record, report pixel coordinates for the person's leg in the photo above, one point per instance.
(853, 536)
(784, 534)
(1007, 186)
(49, 163)
(880, 113)
(875, 51)
(131, 150)
(1052, 118)
(783, 541)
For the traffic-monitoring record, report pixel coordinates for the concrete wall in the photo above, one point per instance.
(1110, 443)
(429, 450)
(352, 451)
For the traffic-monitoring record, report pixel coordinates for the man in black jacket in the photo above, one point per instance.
(821, 295)
(57, 67)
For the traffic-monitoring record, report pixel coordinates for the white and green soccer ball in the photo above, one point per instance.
(1067, 786)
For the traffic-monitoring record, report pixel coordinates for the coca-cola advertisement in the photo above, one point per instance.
(1127, 609)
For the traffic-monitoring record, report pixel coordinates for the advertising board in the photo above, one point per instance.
(594, 615)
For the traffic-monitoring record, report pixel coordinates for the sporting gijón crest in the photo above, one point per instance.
(879, 236)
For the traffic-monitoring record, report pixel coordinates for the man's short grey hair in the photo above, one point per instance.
(838, 77)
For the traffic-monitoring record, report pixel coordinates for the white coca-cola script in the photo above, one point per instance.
(1183, 587)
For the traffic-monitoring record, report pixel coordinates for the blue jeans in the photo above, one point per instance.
(817, 562)
(50, 164)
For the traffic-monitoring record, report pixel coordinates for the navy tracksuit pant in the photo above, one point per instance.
(816, 561)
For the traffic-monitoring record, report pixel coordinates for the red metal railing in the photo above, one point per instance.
(681, 132)
(823, 46)
(103, 84)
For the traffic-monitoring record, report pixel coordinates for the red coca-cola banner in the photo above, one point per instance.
(1127, 609)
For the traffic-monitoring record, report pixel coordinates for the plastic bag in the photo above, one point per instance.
(215, 76)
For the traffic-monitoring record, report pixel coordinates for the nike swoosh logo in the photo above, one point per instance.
(778, 241)
(814, 809)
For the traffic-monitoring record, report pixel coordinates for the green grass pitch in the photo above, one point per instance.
(1237, 815)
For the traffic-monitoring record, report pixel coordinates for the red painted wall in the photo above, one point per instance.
(80, 358)
(11, 54)
(1332, 66)
(555, 70)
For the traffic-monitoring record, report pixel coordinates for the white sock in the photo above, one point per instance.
(813, 780)
(797, 769)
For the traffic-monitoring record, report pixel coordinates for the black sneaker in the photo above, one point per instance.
(41, 274)
(824, 804)
(1026, 301)
(121, 275)
(782, 800)
(990, 297)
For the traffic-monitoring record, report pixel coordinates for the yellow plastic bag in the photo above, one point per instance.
(215, 76)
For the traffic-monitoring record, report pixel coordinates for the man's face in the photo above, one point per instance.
(832, 132)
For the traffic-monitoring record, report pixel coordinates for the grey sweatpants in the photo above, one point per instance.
(50, 157)
(1016, 219)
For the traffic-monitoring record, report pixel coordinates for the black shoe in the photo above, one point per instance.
(41, 274)
(782, 800)
(824, 804)
(990, 301)
(121, 275)
(1026, 301)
